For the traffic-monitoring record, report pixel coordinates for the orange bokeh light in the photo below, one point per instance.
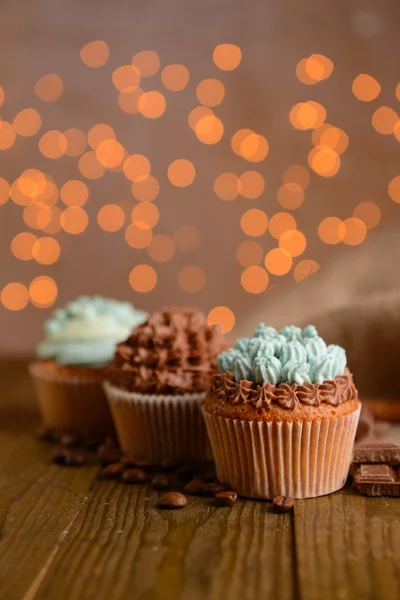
(305, 268)
(110, 153)
(98, 133)
(32, 183)
(147, 62)
(313, 69)
(161, 248)
(385, 120)
(52, 220)
(355, 231)
(365, 88)
(254, 280)
(249, 254)
(74, 193)
(332, 137)
(143, 278)
(369, 212)
(74, 220)
(394, 189)
(227, 56)
(209, 130)
(187, 238)
(43, 291)
(46, 250)
(226, 186)
(210, 92)
(198, 113)
(293, 241)
(280, 223)
(181, 172)
(76, 142)
(111, 217)
(27, 122)
(2, 95)
(307, 115)
(7, 135)
(192, 279)
(251, 184)
(152, 104)
(331, 230)
(14, 296)
(254, 222)
(136, 168)
(222, 316)
(53, 144)
(137, 237)
(145, 215)
(95, 54)
(4, 190)
(49, 88)
(278, 261)
(126, 78)
(324, 161)
(89, 166)
(175, 77)
(253, 147)
(22, 245)
(290, 195)
(146, 190)
(297, 174)
(129, 101)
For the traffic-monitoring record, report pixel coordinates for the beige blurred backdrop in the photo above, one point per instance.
(46, 37)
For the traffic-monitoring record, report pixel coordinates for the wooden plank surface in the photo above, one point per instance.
(66, 534)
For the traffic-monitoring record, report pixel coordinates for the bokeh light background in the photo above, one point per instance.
(189, 152)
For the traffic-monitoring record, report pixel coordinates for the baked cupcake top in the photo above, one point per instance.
(173, 352)
(84, 332)
(285, 368)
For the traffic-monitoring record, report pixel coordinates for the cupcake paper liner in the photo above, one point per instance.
(153, 427)
(261, 459)
(71, 403)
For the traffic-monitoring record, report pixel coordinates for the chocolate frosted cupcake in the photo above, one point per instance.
(282, 415)
(79, 343)
(157, 382)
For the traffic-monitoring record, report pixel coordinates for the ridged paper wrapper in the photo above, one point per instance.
(153, 427)
(71, 403)
(301, 459)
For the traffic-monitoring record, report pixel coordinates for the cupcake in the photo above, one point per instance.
(282, 415)
(79, 343)
(157, 382)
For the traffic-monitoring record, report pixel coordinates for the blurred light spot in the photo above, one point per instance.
(197, 114)
(365, 88)
(254, 280)
(290, 195)
(187, 238)
(53, 144)
(226, 186)
(95, 54)
(18, 196)
(99, 133)
(152, 104)
(161, 248)
(7, 135)
(369, 212)
(307, 115)
(397, 92)
(222, 316)
(74, 193)
(384, 120)
(252, 147)
(280, 223)
(209, 130)
(147, 62)
(27, 122)
(32, 183)
(89, 166)
(175, 77)
(4, 190)
(313, 69)
(137, 237)
(331, 230)
(297, 174)
(330, 136)
(249, 254)
(143, 278)
(365, 24)
(324, 161)
(394, 189)
(254, 222)
(227, 57)
(355, 231)
(22, 245)
(145, 215)
(129, 101)
(181, 172)
(46, 250)
(2, 95)
(111, 217)
(49, 195)
(14, 296)
(293, 241)
(278, 261)
(191, 279)
(126, 78)
(305, 268)
(210, 92)
(136, 168)
(43, 291)
(53, 220)
(36, 217)
(251, 184)
(76, 142)
(146, 190)
(49, 88)
(110, 153)
(74, 219)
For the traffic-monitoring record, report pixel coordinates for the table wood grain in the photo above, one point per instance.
(67, 534)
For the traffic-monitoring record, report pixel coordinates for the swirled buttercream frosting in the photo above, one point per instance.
(173, 352)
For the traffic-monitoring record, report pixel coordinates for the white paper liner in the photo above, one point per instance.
(153, 427)
(260, 459)
(74, 404)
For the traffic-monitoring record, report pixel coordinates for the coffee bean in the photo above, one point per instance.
(135, 476)
(210, 489)
(163, 481)
(225, 498)
(187, 472)
(45, 434)
(58, 456)
(113, 471)
(74, 458)
(128, 462)
(194, 487)
(172, 500)
(283, 503)
(208, 476)
(109, 452)
(70, 440)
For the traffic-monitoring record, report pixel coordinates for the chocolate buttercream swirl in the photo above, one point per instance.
(333, 392)
(173, 352)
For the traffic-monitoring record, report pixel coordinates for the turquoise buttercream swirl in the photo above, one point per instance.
(260, 347)
(323, 368)
(225, 360)
(295, 371)
(291, 333)
(267, 368)
(293, 350)
(86, 331)
(338, 355)
(315, 348)
(242, 344)
(242, 368)
(310, 332)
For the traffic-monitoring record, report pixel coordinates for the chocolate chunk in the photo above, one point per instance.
(109, 452)
(194, 487)
(135, 476)
(283, 503)
(163, 481)
(113, 471)
(172, 500)
(377, 453)
(186, 472)
(210, 489)
(45, 434)
(208, 476)
(70, 440)
(377, 480)
(225, 498)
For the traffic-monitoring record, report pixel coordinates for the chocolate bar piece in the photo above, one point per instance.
(377, 453)
(377, 480)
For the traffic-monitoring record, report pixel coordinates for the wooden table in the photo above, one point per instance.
(65, 534)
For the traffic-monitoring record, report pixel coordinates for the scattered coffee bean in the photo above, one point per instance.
(172, 500)
(194, 487)
(210, 489)
(187, 472)
(59, 456)
(283, 503)
(128, 462)
(70, 440)
(135, 476)
(109, 452)
(163, 481)
(45, 434)
(113, 471)
(225, 498)
(208, 476)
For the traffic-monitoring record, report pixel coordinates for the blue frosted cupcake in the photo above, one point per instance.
(79, 344)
